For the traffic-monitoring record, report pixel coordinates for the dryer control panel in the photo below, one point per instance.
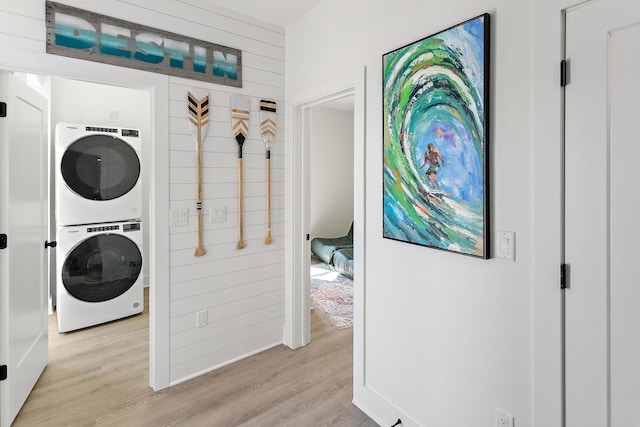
(130, 132)
(134, 226)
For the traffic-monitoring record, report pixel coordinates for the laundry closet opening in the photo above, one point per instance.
(99, 268)
(102, 108)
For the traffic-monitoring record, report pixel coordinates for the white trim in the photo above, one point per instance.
(157, 84)
(159, 319)
(548, 46)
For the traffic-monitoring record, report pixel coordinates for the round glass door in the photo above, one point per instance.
(101, 268)
(100, 167)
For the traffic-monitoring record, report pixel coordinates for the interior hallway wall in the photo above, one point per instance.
(331, 210)
(448, 338)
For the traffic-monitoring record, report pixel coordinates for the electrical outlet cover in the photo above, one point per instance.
(503, 418)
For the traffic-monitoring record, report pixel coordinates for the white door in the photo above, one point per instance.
(602, 214)
(23, 218)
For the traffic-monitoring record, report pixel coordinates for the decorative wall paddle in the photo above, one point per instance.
(240, 107)
(268, 130)
(198, 124)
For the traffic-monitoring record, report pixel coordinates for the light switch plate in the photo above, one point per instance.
(201, 319)
(179, 217)
(218, 214)
(506, 245)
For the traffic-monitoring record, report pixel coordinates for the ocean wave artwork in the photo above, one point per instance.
(435, 95)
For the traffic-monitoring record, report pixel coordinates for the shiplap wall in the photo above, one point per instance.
(241, 290)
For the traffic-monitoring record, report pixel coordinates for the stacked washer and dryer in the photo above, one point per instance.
(99, 225)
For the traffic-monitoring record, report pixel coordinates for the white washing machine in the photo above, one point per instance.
(97, 174)
(99, 273)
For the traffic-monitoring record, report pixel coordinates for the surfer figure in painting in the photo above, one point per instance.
(433, 156)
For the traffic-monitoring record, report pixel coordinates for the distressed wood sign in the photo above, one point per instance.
(77, 33)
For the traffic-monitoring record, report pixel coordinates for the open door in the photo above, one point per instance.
(601, 210)
(23, 220)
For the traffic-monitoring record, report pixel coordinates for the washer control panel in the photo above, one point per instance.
(102, 228)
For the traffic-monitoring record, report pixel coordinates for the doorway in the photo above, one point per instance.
(80, 102)
(156, 153)
(297, 233)
(331, 209)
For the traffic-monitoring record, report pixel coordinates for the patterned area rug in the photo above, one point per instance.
(332, 293)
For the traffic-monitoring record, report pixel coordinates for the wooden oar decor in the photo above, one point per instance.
(268, 130)
(240, 108)
(199, 123)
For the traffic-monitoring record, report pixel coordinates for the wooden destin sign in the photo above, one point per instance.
(77, 33)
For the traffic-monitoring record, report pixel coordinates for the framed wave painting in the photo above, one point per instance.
(436, 140)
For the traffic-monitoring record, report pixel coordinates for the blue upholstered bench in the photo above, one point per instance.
(327, 248)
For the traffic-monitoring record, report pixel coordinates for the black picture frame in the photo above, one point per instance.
(436, 140)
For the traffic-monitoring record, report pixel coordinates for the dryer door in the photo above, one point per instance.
(100, 167)
(101, 267)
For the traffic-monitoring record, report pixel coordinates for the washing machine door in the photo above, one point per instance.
(101, 268)
(100, 167)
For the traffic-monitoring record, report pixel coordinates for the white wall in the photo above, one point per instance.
(331, 204)
(242, 291)
(80, 102)
(448, 338)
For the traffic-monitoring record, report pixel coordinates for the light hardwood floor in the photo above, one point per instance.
(99, 376)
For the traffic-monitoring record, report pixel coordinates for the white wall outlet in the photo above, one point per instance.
(201, 319)
(503, 418)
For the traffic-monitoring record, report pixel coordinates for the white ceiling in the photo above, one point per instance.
(280, 13)
(276, 12)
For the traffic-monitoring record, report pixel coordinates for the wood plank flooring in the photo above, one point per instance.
(99, 376)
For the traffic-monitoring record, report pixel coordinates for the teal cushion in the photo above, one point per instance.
(325, 247)
(343, 262)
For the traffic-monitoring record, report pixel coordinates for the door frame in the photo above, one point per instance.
(547, 215)
(297, 330)
(158, 257)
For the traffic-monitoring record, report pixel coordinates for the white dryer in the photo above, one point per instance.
(97, 174)
(99, 273)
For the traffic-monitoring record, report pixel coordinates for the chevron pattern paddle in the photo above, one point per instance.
(198, 124)
(268, 118)
(240, 108)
